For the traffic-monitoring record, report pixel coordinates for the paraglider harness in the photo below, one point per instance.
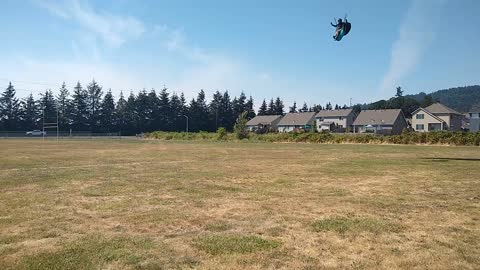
(343, 28)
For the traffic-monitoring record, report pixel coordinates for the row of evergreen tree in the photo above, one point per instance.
(89, 109)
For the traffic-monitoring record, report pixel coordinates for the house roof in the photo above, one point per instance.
(378, 117)
(440, 108)
(334, 113)
(429, 113)
(263, 120)
(297, 119)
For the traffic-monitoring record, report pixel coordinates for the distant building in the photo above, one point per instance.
(474, 119)
(335, 120)
(436, 117)
(386, 122)
(296, 122)
(264, 123)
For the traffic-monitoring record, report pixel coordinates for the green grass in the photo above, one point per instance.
(355, 224)
(217, 244)
(93, 251)
(150, 204)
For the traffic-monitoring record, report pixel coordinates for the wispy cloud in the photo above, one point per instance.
(417, 32)
(195, 67)
(114, 30)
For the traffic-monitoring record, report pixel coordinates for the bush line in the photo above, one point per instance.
(431, 138)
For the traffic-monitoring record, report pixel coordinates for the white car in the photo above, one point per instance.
(36, 133)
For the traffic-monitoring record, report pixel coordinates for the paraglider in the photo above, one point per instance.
(342, 29)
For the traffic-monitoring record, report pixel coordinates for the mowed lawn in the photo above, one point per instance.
(134, 204)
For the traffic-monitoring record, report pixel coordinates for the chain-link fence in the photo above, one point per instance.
(38, 134)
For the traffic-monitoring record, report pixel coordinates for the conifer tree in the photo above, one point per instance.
(79, 115)
(30, 113)
(263, 108)
(94, 102)
(279, 107)
(107, 113)
(9, 109)
(64, 106)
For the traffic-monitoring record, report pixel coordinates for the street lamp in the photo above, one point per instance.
(187, 121)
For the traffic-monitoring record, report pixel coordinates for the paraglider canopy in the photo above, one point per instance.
(343, 28)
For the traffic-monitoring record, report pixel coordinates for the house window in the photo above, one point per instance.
(419, 127)
(420, 116)
(340, 118)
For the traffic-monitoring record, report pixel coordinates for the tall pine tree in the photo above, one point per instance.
(48, 107)
(165, 114)
(153, 111)
(64, 106)
(263, 110)
(249, 108)
(80, 112)
(293, 109)
(213, 109)
(226, 118)
(142, 111)
(131, 116)
(30, 113)
(304, 107)
(121, 114)
(271, 108)
(94, 102)
(9, 109)
(279, 107)
(107, 113)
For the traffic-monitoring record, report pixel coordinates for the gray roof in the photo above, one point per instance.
(334, 113)
(297, 119)
(263, 120)
(378, 117)
(440, 108)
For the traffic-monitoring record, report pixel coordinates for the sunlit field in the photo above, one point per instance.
(133, 204)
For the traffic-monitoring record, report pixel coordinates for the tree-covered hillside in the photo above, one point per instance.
(462, 99)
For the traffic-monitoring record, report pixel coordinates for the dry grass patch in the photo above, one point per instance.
(173, 205)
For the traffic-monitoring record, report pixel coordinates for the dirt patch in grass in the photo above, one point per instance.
(216, 244)
(355, 224)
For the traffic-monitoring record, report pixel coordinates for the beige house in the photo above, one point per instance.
(296, 121)
(386, 122)
(263, 123)
(436, 117)
(335, 120)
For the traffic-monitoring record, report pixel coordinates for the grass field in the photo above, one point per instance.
(204, 205)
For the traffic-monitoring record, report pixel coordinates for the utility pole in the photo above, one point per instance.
(43, 123)
(187, 122)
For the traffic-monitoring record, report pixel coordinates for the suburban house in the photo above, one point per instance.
(335, 120)
(391, 121)
(296, 121)
(436, 117)
(474, 121)
(263, 123)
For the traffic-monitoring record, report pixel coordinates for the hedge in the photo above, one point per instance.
(438, 137)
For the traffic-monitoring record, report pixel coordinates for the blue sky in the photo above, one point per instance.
(266, 48)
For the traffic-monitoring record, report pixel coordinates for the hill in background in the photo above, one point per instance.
(462, 99)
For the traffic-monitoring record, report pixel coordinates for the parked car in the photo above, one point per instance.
(36, 133)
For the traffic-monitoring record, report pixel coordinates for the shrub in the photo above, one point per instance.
(240, 127)
(221, 133)
(437, 137)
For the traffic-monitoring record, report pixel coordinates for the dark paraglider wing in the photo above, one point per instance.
(347, 28)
